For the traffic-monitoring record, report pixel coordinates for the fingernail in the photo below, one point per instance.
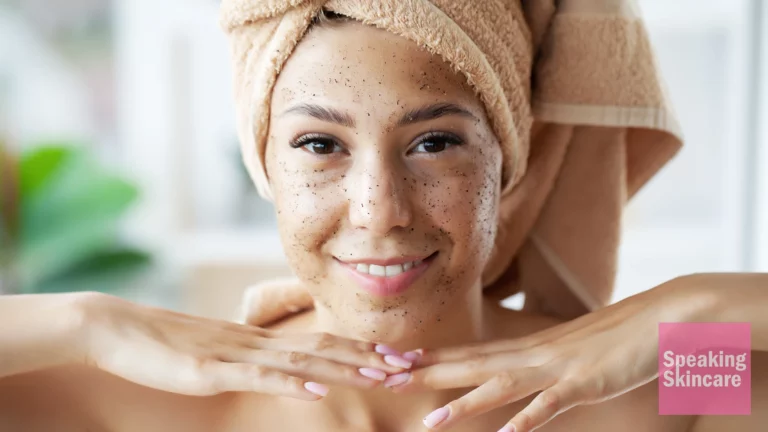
(316, 388)
(373, 374)
(508, 428)
(383, 349)
(397, 379)
(398, 361)
(436, 417)
(412, 356)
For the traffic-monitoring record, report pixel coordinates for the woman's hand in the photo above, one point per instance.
(585, 361)
(197, 356)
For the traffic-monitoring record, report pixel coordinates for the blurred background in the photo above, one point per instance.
(117, 116)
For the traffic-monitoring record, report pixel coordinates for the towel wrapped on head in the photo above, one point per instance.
(573, 95)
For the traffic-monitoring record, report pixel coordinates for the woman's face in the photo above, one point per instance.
(385, 174)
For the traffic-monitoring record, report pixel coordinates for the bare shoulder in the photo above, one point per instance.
(758, 419)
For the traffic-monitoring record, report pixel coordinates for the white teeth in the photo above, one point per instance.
(393, 270)
(390, 270)
(377, 270)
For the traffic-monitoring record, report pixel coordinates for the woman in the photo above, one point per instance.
(380, 157)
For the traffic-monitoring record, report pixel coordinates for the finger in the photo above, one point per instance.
(331, 347)
(274, 300)
(501, 390)
(468, 373)
(225, 377)
(544, 407)
(310, 368)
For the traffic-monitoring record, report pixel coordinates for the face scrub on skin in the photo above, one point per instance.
(380, 156)
(567, 136)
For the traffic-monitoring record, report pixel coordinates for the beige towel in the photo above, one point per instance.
(572, 92)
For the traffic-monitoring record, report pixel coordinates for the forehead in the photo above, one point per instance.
(360, 64)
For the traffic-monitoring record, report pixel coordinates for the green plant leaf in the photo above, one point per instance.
(108, 271)
(41, 163)
(41, 260)
(72, 212)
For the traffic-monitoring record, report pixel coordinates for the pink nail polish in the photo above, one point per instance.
(373, 374)
(507, 428)
(397, 379)
(436, 417)
(412, 356)
(383, 349)
(316, 388)
(397, 361)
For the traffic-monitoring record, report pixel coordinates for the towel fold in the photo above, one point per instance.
(574, 97)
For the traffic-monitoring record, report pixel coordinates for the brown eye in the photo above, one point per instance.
(433, 146)
(436, 142)
(320, 145)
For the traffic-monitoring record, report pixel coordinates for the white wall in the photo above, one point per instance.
(44, 96)
(692, 216)
(760, 243)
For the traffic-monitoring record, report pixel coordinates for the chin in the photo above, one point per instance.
(362, 308)
(383, 320)
(386, 327)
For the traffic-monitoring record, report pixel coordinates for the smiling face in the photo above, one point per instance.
(385, 174)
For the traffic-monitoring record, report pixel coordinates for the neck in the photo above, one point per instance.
(465, 322)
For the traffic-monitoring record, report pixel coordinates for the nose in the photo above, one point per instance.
(379, 199)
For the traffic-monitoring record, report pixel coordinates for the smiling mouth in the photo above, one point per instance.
(387, 277)
(390, 270)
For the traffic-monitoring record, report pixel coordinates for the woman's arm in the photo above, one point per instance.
(738, 297)
(593, 358)
(40, 331)
(180, 353)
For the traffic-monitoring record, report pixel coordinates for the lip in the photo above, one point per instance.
(382, 286)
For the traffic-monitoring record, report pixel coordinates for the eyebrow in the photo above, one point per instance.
(434, 111)
(425, 113)
(330, 115)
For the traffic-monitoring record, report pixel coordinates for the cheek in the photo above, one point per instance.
(465, 208)
(308, 213)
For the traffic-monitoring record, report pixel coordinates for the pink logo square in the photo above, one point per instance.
(704, 369)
